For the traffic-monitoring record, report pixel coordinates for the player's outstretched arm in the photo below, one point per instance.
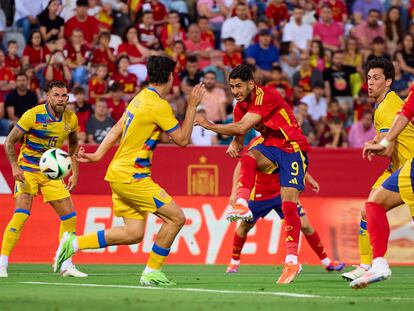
(109, 141)
(14, 137)
(384, 147)
(235, 146)
(73, 151)
(237, 128)
(182, 135)
(312, 182)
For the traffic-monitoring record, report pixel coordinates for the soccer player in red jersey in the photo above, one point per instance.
(266, 198)
(265, 110)
(396, 190)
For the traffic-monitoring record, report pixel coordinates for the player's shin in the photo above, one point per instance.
(90, 241)
(317, 246)
(156, 259)
(378, 228)
(246, 180)
(364, 245)
(67, 224)
(12, 233)
(292, 230)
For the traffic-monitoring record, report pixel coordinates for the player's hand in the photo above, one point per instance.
(372, 149)
(234, 150)
(84, 157)
(196, 95)
(313, 183)
(18, 173)
(203, 122)
(72, 182)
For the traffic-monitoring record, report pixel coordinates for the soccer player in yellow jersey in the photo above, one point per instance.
(387, 104)
(134, 193)
(41, 128)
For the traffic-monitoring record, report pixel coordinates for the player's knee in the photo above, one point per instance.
(135, 238)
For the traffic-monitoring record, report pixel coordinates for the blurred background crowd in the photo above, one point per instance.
(312, 52)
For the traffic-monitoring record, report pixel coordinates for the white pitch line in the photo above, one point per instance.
(202, 290)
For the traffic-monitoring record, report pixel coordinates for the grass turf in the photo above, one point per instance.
(116, 287)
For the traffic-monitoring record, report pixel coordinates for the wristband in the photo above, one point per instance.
(384, 142)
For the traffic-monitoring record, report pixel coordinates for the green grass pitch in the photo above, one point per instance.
(116, 287)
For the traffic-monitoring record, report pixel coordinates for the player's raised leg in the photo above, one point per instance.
(65, 209)
(14, 228)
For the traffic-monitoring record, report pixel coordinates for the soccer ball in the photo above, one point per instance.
(55, 164)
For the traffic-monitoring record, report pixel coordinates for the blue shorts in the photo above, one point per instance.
(291, 166)
(261, 208)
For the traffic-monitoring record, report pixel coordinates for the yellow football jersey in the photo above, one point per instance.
(42, 132)
(146, 117)
(383, 118)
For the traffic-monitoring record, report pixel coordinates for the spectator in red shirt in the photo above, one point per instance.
(83, 112)
(12, 60)
(77, 52)
(129, 81)
(277, 13)
(7, 83)
(136, 52)
(32, 81)
(98, 85)
(171, 32)
(57, 69)
(232, 57)
(206, 33)
(198, 47)
(159, 12)
(103, 54)
(146, 32)
(180, 56)
(81, 20)
(35, 52)
(116, 105)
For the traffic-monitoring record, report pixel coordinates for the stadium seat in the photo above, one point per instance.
(115, 41)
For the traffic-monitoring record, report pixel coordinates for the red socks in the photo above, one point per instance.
(247, 177)
(316, 244)
(378, 228)
(292, 227)
(238, 244)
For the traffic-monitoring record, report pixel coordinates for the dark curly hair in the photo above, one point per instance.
(159, 69)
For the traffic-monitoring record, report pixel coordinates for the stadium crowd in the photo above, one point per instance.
(312, 52)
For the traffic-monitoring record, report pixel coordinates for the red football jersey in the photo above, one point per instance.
(36, 56)
(408, 108)
(232, 60)
(101, 57)
(277, 13)
(71, 52)
(6, 75)
(89, 27)
(117, 109)
(128, 82)
(12, 63)
(96, 86)
(129, 50)
(278, 126)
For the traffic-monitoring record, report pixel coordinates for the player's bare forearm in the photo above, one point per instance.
(73, 152)
(231, 129)
(110, 139)
(9, 145)
(399, 124)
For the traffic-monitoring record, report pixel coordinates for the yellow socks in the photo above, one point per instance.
(365, 250)
(92, 240)
(12, 232)
(67, 224)
(157, 257)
